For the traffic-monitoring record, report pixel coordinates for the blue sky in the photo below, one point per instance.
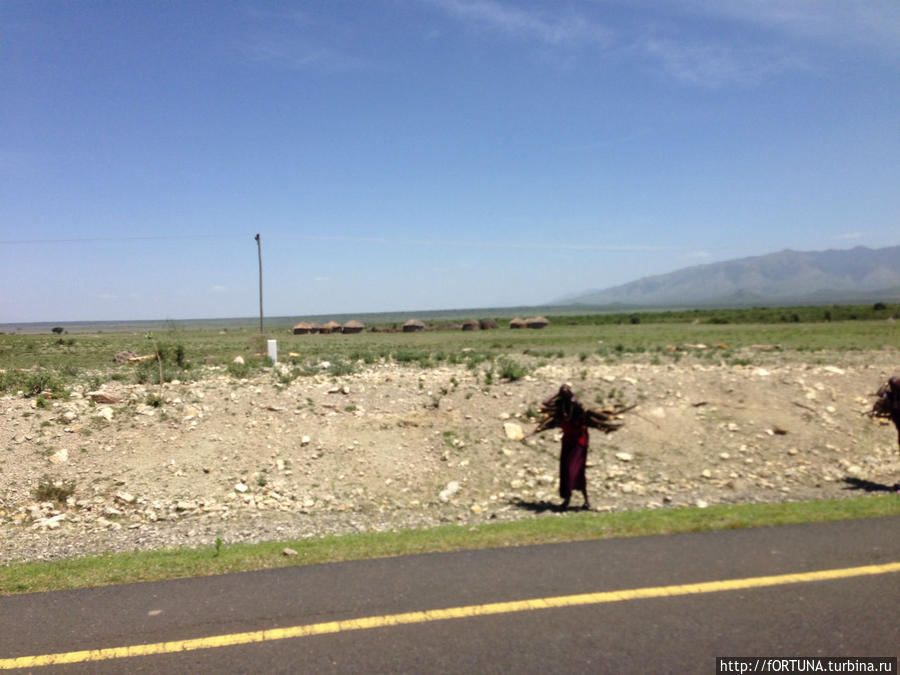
(425, 154)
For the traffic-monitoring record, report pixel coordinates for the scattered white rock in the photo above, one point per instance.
(513, 431)
(51, 523)
(451, 489)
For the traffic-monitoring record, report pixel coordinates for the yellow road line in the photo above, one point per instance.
(440, 615)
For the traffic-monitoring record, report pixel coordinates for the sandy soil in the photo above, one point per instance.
(393, 447)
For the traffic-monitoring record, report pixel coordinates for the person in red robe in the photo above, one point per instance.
(571, 418)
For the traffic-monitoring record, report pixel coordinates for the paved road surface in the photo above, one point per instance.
(858, 615)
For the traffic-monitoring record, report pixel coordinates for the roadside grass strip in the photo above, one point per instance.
(119, 568)
(427, 616)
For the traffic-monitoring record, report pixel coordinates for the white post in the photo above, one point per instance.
(273, 350)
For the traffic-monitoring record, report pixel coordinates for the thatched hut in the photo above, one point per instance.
(487, 324)
(518, 322)
(413, 326)
(471, 324)
(353, 326)
(537, 322)
(330, 327)
(303, 328)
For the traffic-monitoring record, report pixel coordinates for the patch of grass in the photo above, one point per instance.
(240, 370)
(50, 490)
(286, 375)
(511, 370)
(179, 563)
(339, 367)
(32, 382)
(418, 357)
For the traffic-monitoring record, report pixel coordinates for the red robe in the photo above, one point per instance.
(573, 458)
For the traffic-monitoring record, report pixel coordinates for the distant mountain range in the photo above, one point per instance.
(788, 277)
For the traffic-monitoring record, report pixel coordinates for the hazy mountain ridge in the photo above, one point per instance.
(857, 274)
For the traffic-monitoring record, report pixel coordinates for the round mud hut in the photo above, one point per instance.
(471, 324)
(413, 326)
(330, 327)
(353, 326)
(303, 328)
(518, 322)
(537, 322)
(487, 324)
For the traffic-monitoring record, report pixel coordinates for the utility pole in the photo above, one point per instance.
(259, 250)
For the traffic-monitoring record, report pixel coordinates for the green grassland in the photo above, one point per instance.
(57, 361)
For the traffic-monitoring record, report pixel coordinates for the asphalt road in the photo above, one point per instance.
(679, 633)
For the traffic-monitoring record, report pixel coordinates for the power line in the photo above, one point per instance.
(578, 246)
(90, 240)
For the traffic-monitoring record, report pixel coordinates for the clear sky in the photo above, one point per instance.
(427, 154)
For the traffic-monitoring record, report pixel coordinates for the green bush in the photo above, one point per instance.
(49, 490)
(32, 382)
(172, 354)
(417, 356)
(511, 370)
(240, 370)
(340, 367)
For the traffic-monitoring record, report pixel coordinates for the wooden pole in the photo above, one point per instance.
(259, 251)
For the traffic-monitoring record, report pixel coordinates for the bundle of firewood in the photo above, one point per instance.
(606, 420)
(887, 402)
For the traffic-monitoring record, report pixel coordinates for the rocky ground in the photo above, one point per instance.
(394, 447)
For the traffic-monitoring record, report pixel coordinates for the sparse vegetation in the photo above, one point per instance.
(240, 370)
(51, 490)
(511, 370)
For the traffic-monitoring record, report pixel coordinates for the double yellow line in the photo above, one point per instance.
(440, 615)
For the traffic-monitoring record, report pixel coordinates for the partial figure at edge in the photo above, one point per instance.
(888, 403)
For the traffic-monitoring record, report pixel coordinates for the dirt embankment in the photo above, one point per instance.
(394, 447)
